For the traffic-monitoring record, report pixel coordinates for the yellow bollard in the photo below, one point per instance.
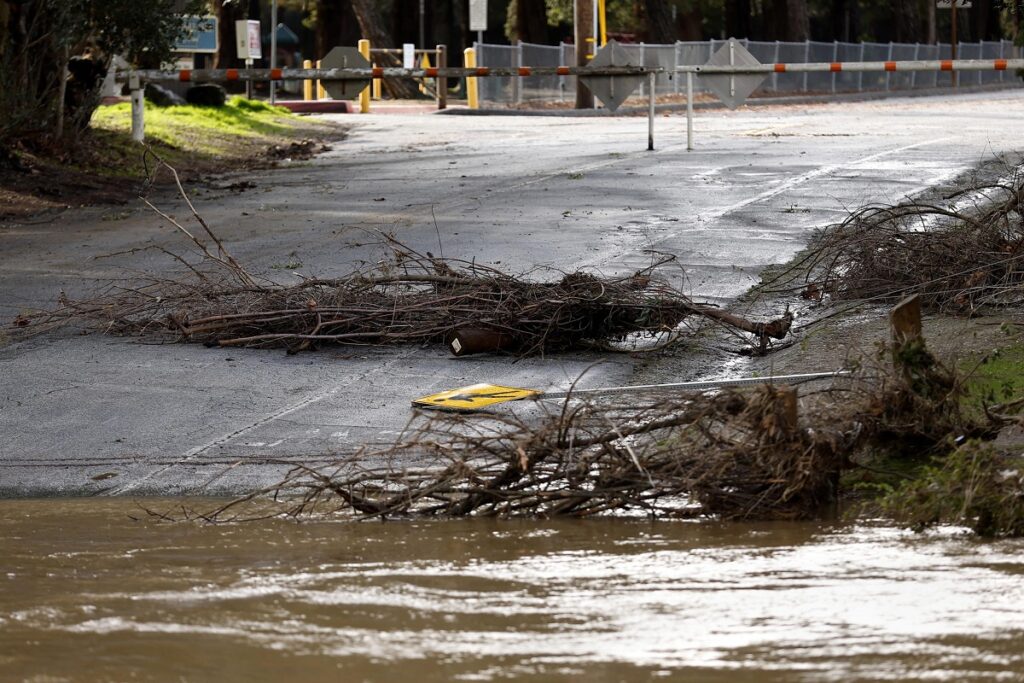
(425, 64)
(307, 84)
(364, 94)
(375, 87)
(321, 94)
(472, 94)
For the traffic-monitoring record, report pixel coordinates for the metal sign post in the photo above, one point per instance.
(273, 49)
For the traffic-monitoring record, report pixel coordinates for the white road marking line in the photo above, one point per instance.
(310, 400)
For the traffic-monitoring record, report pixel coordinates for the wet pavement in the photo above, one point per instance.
(93, 414)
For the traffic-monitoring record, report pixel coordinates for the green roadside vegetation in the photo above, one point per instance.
(195, 134)
(195, 140)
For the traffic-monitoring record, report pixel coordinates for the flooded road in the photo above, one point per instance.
(89, 594)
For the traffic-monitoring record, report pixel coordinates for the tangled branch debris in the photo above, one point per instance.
(730, 455)
(961, 257)
(409, 298)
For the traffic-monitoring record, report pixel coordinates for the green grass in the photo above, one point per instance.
(223, 132)
(999, 377)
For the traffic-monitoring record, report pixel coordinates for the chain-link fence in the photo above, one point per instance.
(560, 88)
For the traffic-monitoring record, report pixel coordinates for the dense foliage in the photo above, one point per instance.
(55, 53)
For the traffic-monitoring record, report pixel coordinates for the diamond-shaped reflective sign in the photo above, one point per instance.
(732, 89)
(612, 90)
(345, 58)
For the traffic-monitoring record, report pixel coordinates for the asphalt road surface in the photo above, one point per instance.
(99, 415)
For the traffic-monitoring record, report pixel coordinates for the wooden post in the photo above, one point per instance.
(581, 38)
(790, 415)
(905, 319)
(442, 82)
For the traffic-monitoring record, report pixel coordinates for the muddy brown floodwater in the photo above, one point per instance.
(89, 594)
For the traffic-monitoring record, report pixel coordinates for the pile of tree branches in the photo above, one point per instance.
(408, 298)
(961, 256)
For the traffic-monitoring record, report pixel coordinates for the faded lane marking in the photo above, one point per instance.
(288, 410)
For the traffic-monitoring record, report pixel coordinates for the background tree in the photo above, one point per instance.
(373, 28)
(658, 24)
(56, 52)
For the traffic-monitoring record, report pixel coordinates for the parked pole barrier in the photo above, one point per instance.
(650, 111)
(307, 84)
(472, 94)
(364, 94)
(138, 108)
(474, 72)
(376, 88)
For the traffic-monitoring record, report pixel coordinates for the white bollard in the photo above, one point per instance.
(689, 111)
(650, 111)
(138, 109)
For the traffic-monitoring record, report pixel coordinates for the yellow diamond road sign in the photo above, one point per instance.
(473, 397)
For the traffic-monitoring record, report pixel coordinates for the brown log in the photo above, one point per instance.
(469, 340)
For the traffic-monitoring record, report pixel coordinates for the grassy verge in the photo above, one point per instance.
(188, 133)
(195, 140)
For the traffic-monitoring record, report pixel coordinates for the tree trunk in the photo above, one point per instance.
(789, 21)
(583, 30)
(58, 129)
(985, 19)
(335, 25)
(798, 27)
(933, 35)
(227, 15)
(658, 22)
(531, 22)
(376, 32)
(737, 20)
(908, 22)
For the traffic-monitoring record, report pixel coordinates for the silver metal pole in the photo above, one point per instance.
(138, 109)
(689, 111)
(650, 113)
(273, 48)
(696, 386)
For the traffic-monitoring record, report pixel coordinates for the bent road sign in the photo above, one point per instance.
(345, 58)
(732, 89)
(474, 397)
(612, 90)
